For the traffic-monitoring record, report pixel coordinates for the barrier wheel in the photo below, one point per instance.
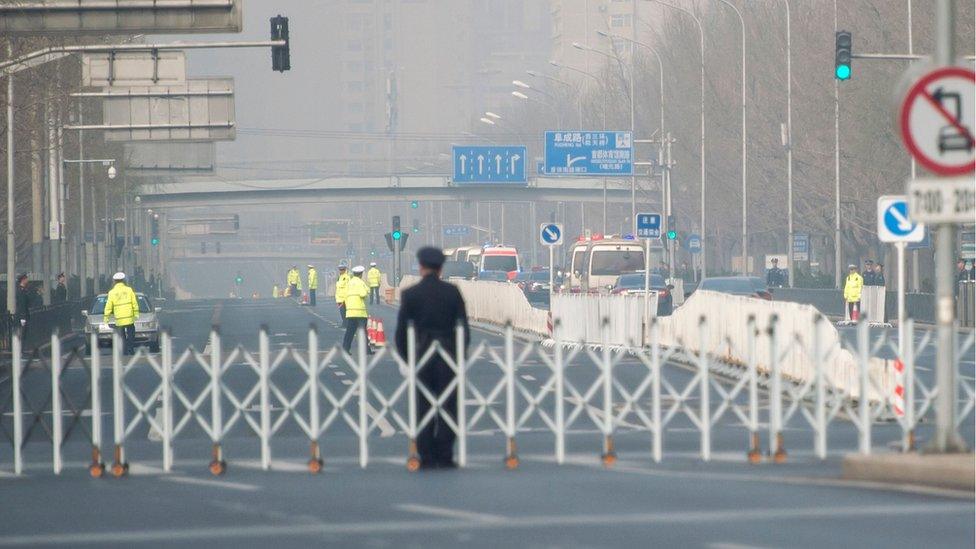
(218, 467)
(315, 465)
(119, 470)
(96, 470)
(754, 456)
(608, 459)
(413, 464)
(779, 456)
(511, 462)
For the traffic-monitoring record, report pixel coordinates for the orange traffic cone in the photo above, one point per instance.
(371, 330)
(380, 338)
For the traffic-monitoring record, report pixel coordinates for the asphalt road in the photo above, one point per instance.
(681, 501)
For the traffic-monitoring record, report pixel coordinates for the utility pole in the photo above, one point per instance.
(946, 439)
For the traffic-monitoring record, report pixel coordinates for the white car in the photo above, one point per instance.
(147, 326)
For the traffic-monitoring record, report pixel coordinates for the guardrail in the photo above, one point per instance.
(61, 317)
(251, 399)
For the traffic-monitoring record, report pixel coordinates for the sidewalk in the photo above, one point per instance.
(955, 471)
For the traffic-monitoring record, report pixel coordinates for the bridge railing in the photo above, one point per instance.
(235, 403)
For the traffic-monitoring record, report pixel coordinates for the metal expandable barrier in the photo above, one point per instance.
(242, 398)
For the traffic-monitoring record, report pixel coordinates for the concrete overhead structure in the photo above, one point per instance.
(169, 159)
(120, 16)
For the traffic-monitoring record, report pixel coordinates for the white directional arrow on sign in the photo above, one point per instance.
(464, 163)
(570, 159)
(481, 163)
(498, 163)
(513, 161)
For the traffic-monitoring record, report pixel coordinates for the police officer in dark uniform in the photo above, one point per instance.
(435, 309)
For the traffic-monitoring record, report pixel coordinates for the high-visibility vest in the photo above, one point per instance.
(355, 298)
(313, 279)
(340, 293)
(852, 288)
(373, 277)
(122, 304)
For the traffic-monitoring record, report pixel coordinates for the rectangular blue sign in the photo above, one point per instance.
(456, 230)
(589, 153)
(649, 225)
(493, 164)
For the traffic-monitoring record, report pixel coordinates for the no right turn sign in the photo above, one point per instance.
(936, 120)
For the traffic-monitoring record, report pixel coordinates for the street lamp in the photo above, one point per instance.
(665, 192)
(488, 121)
(745, 234)
(492, 115)
(112, 172)
(701, 38)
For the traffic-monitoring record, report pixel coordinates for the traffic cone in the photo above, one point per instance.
(371, 330)
(380, 340)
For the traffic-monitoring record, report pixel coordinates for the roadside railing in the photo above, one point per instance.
(255, 400)
(62, 317)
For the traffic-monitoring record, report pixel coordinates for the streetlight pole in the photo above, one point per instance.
(660, 66)
(11, 240)
(838, 245)
(789, 141)
(570, 87)
(701, 39)
(600, 83)
(745, 232)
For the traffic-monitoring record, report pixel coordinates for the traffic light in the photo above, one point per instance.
(414, 204)
(237, 222)
(842, 56)
(154, 229)
(280, 55)
(416, 225)
(397, 234)
(403, 242)
(239, 279)
(672, 233)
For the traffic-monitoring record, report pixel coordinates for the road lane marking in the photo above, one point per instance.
(448, 513)
(371, 528)
(346, 381)
(528, 377)
(210, 483)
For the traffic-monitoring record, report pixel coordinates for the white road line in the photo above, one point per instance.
(339, 373)
(346, 381)
(688, 518)
(727, 545)
(448, 513)
(528, 377)
(211, 483)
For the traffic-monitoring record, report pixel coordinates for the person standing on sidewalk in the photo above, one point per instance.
(22, 313)
(852, 292)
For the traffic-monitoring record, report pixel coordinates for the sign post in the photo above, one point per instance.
(551, 235)
(933, 121)
(895, 226)
(648, 227)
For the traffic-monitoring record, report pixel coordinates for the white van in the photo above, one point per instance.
(500, 259)
(605, 260)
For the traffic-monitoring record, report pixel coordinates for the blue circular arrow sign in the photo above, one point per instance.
(896, 219)
(551, 233)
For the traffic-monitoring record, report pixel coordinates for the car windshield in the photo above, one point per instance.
(500, 263)
(729, 285)
(98, 307)
(615, 262)
(636, 280)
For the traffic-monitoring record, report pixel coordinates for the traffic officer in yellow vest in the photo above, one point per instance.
(340, 291)
(313, 284)
(852, 292)
(356, 313)
(373, 276)
(123, 305)
(294, 283)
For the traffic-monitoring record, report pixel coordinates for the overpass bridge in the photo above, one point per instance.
(228, 192)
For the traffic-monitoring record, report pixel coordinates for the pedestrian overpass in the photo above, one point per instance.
(230, 192)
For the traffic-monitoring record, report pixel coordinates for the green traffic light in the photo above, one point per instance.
(397, 235)
(843, 72)
(239, 280)
(414, 204)
(154, 242)
(672, 235)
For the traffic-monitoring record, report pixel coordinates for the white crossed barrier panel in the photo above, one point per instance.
(242, 395)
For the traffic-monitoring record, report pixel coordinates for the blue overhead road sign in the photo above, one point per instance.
(589, 153)
(649, 225)
(489, 164)
(456, 230)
